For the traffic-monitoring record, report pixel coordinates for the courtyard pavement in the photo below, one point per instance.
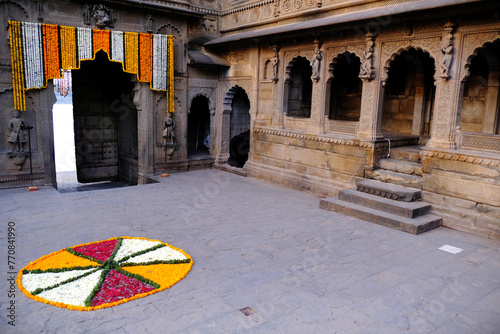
(254, 244)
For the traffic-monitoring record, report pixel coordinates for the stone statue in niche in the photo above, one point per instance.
(17, 137)
(169, 135)
(316, 63)
(366, 70)
(275, 62)
(447, 51)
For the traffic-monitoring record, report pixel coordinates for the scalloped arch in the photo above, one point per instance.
(170, 27)
(228, 99)
(468, 61)
(331, 66)
(206, 93)
(392, 57)
(291, 64)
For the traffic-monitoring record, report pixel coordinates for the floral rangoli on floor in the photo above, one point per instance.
(104, 273)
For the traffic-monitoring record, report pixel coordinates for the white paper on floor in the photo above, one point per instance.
(451, 249)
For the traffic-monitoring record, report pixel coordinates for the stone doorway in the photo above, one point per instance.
(105, 122)
(198, 133)
(239, 145)
(409, 94)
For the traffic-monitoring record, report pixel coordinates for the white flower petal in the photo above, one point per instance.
(131, 246)
(32, 281)
(160, 254)
(74, 293)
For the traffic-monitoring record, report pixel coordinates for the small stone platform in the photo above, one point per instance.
(385, 204)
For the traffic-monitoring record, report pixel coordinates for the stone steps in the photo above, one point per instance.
(404, 167)
(231, 169)
(385, 204)
(396, 178)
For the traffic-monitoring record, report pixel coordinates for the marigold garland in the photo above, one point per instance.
(68, 48)
(100, 39)
(51, 51)
(40, 52)
(112, 281)
(146, 57)
(17, 65)
(131, 52)
(170, 75)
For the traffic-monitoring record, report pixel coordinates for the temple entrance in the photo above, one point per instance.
(239, 145)
(105, 122)
(409, 94)
(198, 128)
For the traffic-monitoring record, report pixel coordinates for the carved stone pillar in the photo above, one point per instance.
(143, 99)
(40, 102)
(372, 96)
(223, 155)
(445, 119)
(370, 119)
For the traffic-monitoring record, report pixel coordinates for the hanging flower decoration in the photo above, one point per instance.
(40, 52)
(104, 273)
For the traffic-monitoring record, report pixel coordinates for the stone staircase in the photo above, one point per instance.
(403, 167)
(384, 204)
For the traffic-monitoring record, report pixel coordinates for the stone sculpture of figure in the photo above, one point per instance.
(16, 136)
(316, 64)
(445, 62)
(168, 129)
(366, 65)
(275, 61)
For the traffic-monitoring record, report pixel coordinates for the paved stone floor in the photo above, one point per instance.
(299, 268)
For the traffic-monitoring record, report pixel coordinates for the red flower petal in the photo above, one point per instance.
(98, 250)
(117, 286)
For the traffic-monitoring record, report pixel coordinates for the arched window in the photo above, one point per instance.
(409, 94)
(480, 109)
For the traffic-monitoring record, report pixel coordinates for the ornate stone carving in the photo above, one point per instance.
(318, 138)
(349, 128)
(391, 49)
(478, 141)
(366, 70)
(296, 123)
(236, 57)
(275, 62)
(471, 158)
(169, 135)
(149, 23)
(316, 62)
(99, 15)
(447, 51)
(471, 44)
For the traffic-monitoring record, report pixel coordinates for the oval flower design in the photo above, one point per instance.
(104, 273)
